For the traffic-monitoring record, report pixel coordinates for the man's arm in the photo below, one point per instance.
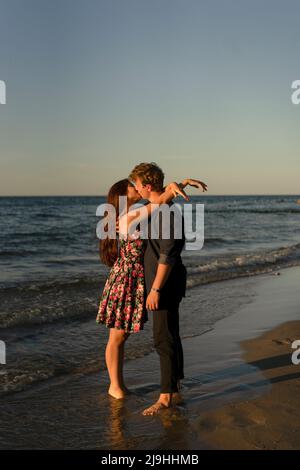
(162, 274)
(169, 251)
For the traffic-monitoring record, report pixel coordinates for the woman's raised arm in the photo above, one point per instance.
(171, 191)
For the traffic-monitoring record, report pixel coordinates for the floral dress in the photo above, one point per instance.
(123, 301)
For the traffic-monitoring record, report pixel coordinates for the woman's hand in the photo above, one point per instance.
(171, 191)
(195, 183)
(175, 189)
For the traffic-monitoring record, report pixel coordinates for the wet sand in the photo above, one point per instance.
(76, 412)
(271, 421)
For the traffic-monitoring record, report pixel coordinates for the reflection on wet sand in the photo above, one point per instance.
(171, 426)
(115, 423)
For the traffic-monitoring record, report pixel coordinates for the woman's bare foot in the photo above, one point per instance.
(154, 409)
(116, 392)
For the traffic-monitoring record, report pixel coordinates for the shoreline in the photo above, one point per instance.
(77, 413)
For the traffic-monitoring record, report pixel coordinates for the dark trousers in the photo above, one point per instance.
(168, 345)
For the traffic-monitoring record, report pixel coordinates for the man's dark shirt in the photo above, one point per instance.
(166, 251)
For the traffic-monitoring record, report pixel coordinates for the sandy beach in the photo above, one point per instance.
(271, 421)
(240, 388)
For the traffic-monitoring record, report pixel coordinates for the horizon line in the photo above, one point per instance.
(104, 195)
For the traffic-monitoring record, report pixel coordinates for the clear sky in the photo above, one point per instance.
(203, 88)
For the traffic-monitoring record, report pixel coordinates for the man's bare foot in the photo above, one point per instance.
(154, 409)
(117, 392)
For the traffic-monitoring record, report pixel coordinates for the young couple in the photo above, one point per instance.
(146, 274)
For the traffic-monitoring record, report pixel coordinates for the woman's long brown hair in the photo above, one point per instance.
(108, 247)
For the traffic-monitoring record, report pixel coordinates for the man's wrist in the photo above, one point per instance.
(155, 289)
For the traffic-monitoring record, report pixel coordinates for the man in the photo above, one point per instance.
(165, 277)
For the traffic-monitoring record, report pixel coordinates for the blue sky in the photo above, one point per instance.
(203, 88)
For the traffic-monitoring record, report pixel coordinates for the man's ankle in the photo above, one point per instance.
(165, 398)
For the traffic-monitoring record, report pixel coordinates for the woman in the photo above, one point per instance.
(122, 305)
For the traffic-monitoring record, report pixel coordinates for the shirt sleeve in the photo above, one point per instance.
(170, 248)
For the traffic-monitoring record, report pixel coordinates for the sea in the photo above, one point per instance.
(51, 276)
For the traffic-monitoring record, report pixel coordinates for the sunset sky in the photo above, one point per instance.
(203, 88)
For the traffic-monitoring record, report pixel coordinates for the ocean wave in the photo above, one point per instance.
(45, 215)
(50, 313)
(226, 210)
(221, 241)
(27, 373)
(229, 267)
(18, 253)
(61, 300)
(52, 234)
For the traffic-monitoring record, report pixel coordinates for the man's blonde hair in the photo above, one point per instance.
(149, 173)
